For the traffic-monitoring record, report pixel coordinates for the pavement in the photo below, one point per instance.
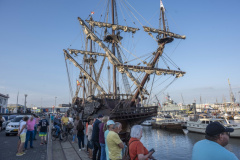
(54, 150)
(68, 151)
(8, 149)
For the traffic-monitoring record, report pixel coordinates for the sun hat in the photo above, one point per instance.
(109, 122)
(216, 128)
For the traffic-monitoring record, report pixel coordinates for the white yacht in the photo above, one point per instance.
(237, 117)
(201, 124)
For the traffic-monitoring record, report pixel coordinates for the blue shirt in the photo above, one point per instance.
(209, 150)
(106, 146)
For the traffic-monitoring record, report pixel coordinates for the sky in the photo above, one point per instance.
(33, 35)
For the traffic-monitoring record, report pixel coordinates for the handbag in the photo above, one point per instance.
(126, 155)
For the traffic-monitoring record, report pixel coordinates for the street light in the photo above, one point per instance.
(25, 103)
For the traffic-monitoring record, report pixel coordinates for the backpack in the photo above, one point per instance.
(126, 155)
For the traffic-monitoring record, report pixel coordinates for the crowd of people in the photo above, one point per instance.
(28, 128)
(104, 142)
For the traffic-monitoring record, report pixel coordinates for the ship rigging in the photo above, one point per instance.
(99, 89)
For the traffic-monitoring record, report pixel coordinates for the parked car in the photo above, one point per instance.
(12, 127)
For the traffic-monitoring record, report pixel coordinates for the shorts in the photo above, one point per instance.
(90, 144)
(23, 137)
(42, 134)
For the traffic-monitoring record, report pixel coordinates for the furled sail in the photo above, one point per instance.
(75, 51)
(113, 26)
(111, 57)
(68, 56)
(150, 70)
(148, 29)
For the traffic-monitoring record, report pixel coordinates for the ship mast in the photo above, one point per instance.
(113, 51)
(157, 55)
(90, 67)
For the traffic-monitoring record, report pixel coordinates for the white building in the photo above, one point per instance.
(3, 103)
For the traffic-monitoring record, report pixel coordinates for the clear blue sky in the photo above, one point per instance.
(34, 33)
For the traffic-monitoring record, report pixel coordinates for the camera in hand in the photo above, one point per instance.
(152, 150)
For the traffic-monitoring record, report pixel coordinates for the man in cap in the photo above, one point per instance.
(95, 138)
(212, 148)
(110, 124)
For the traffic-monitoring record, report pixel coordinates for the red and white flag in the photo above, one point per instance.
(92, 12)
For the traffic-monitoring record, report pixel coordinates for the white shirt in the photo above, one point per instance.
(70, 119)
(22, 123)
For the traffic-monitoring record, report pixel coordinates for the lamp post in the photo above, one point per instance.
(25, 103)
(55, 104)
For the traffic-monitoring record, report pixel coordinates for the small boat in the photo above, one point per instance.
(168, 123)
(185, 131)
(200, 125)
(236, 117)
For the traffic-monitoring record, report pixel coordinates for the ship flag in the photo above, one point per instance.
(78, 83)
(161, 5)
(92, 12)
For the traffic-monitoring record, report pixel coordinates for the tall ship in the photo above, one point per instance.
(114, 77)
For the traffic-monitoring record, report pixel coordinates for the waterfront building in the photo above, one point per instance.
(3, 103)
(15, 108)
(61, 108)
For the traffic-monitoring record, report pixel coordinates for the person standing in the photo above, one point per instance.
(115, 144)
(64, 121)
(30, 132)
(75, 123)
(52, 117)
(136, 149)
(95, 138)
(43, 128)
(80, 135)
(35, 126)
(89, 137)
(212, 148)
(110, 124)
(102, 129)
(22, 134)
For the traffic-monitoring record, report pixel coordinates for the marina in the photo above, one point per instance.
(175, 145)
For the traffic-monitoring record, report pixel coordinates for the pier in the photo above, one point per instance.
(58, 150)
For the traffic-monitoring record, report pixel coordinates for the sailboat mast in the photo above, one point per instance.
(113, 51)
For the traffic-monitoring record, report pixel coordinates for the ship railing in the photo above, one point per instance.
(144, 111)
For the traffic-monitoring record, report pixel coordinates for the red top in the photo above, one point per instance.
(86, 127)
(135, 148)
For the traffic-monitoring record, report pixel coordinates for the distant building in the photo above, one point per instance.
(61, 108)
(3, 103)
(15, 108)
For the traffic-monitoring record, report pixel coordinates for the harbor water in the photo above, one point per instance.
(171, 145)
